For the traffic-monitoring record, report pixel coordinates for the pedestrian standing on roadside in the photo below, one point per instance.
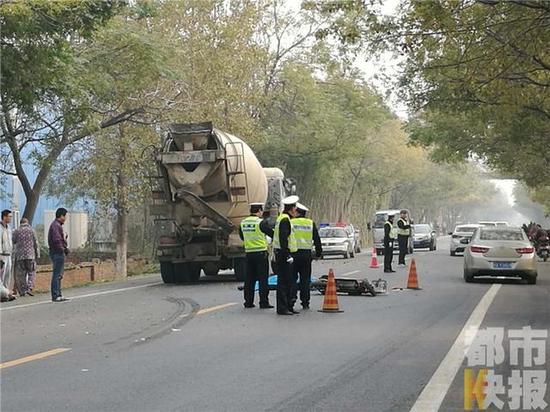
(6, 250)
(253, 232)
(284, 245)
(389, 238)
(403, 234)
(25, 252)
(306, 236)
(57, 243)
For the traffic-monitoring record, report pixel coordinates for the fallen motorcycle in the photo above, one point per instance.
(353, 286)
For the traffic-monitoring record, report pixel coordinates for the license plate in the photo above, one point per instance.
(502, 265)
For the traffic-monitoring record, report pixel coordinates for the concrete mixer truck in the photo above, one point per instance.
(206, 180)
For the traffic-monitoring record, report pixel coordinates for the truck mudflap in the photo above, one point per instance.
(353, 286)
(200, 206)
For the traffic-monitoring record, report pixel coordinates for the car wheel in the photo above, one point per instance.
(453, 253)
(468, 277)
(352, 254)
(531, 280)
(380, 252)
(346, 255)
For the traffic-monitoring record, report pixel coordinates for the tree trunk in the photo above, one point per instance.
(31, 203)
(122, 243)
(122, 211)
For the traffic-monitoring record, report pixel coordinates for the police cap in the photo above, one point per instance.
(291, 200)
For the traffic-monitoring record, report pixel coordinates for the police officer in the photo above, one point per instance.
(253, 231)
(306, 235)
(283, 245)
(389, 238)
(403, 234)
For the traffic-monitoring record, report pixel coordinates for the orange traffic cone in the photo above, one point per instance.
(374, 260)
(412, 283)
(330, 304)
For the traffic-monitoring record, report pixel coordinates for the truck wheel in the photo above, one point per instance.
(211, 268)
(187, 272)
(194, 272)
(239, 266)
(211, 272)
(167, 272)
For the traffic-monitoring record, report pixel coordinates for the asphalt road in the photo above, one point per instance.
(140, 345)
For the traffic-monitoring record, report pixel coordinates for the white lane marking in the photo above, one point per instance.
(434, 392)
(349, 273)
(88, 295)
(215, 308)
(343, 275)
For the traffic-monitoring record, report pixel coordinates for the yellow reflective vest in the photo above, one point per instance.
(393, 231)
(403, 232)
(253, 238)
(302, 227)
(291, 240)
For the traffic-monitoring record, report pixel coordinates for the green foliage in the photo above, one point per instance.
(36, 45)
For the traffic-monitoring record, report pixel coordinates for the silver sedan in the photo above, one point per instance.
(500, 251)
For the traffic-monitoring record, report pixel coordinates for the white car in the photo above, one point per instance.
(336, 241)
(500, 251)
(464, 231)
(487, 223)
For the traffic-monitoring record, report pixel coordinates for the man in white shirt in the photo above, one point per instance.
(6, 249)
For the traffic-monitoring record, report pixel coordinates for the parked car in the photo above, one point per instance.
(352, 234)
(336, 241)
(461, 232)
(424, 237)
(495, 251)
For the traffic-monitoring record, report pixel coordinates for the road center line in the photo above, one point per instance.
(434, 392)
(88, 295)
(215, 308)
(34, 357)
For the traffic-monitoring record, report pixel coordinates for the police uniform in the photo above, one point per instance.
(389, 238)
(253, 231)
(306, 235)
(403, 233)
(284, 245)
